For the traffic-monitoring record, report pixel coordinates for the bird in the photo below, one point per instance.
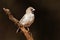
(27, 19)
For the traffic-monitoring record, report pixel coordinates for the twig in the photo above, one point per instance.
(13, 19)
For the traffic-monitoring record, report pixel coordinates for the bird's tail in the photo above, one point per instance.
(17, 30)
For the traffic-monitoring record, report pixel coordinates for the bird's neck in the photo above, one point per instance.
(28, 11)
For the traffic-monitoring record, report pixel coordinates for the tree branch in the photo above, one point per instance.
(13, 19)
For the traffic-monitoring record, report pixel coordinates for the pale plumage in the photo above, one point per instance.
(28, 18)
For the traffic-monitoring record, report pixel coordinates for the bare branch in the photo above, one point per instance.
(13, 19)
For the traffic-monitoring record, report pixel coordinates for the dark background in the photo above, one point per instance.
(47, 19)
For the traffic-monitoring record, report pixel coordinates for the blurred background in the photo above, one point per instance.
(47, 19)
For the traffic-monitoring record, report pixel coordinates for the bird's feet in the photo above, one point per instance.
(27, 29)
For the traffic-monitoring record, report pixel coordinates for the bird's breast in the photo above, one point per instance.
(27, 19)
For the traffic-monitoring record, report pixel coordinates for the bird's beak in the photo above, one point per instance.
(33, 10)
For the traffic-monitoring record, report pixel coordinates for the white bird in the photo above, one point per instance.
(28, 18)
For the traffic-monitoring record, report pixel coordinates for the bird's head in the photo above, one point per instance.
(30, 9)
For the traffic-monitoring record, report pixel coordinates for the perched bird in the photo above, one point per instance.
(28, 18)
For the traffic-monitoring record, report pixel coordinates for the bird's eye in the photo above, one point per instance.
(32, 9)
